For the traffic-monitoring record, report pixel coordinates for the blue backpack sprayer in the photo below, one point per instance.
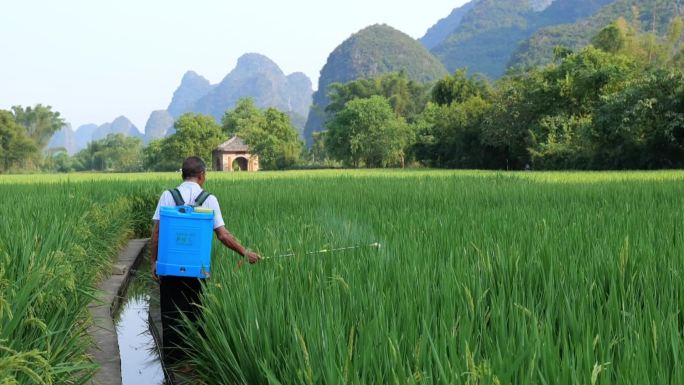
(185, 237)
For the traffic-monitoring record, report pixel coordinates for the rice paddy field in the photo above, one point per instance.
(481, 277)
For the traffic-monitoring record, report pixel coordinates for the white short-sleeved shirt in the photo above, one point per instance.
(190, 191)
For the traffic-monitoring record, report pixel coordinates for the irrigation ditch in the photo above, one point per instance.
(126, 323)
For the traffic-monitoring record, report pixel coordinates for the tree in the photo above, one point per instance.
(451, 135)
(57, 160)
(458, 88)
(368, 131)
(642, 126)
(196, 135)
(674, 32)
(407, 97)
(115, 152)
(613, 38)
(153, 157)
(123, 153)
(15, 144)
(646, 47)
(450, 128)
(318, 152)
(244, 115)
(560, 143)
(506, 126)
(89, 158)
(270, 134)
(40, 122)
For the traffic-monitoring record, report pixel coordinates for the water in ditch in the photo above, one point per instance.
(140, 362)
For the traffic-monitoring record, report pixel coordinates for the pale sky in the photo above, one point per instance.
(94, 60)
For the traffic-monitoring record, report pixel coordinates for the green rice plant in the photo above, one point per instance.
(56, 244)
(483, 278)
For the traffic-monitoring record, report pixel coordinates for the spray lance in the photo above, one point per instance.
(375, 245)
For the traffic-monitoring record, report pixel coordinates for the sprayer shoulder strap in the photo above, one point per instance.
(177, 197)
(202, 198)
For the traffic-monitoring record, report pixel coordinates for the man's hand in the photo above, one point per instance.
(229, 240)
(252, 257)
(153, 269)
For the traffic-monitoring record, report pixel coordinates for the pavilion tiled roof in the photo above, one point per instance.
(233, 144)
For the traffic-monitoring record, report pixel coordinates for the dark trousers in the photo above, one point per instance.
(177, 295)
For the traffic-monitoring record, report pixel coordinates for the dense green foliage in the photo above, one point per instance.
(458, 88)
(407, 97)
(16, 146)
(448, 132)
(368, 131)
(40, 122)
(361, 130)
(592, 110)
(650, 115)
(371, 52)
(618, 106)
(196, 135)
(269, 134)
(24, 132)
(116, 152)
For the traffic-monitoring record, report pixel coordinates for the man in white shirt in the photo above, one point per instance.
(182, 294)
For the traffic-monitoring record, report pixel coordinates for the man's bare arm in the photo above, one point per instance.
(229, 241)
(154, 244)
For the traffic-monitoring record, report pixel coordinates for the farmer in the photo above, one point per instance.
(182, 294)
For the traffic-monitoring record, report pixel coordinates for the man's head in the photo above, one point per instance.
(194, 169)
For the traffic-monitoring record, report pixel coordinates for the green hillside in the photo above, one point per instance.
(444, 27)
(488, 35)
(373, 51)
(649, 14)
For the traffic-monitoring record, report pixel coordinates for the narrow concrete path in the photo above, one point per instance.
(112, 291)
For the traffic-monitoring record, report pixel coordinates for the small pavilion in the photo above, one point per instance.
(234, 155)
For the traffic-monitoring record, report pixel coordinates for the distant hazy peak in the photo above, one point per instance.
(159, 114)
(122, 120)
(192, 77)
(254, 62)
(254, 58)
(192, 87)
(300, 78)
(65, 139)
(158, 124)
(87, 129)
(255, 76)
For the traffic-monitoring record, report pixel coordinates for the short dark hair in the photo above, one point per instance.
(193, 167)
